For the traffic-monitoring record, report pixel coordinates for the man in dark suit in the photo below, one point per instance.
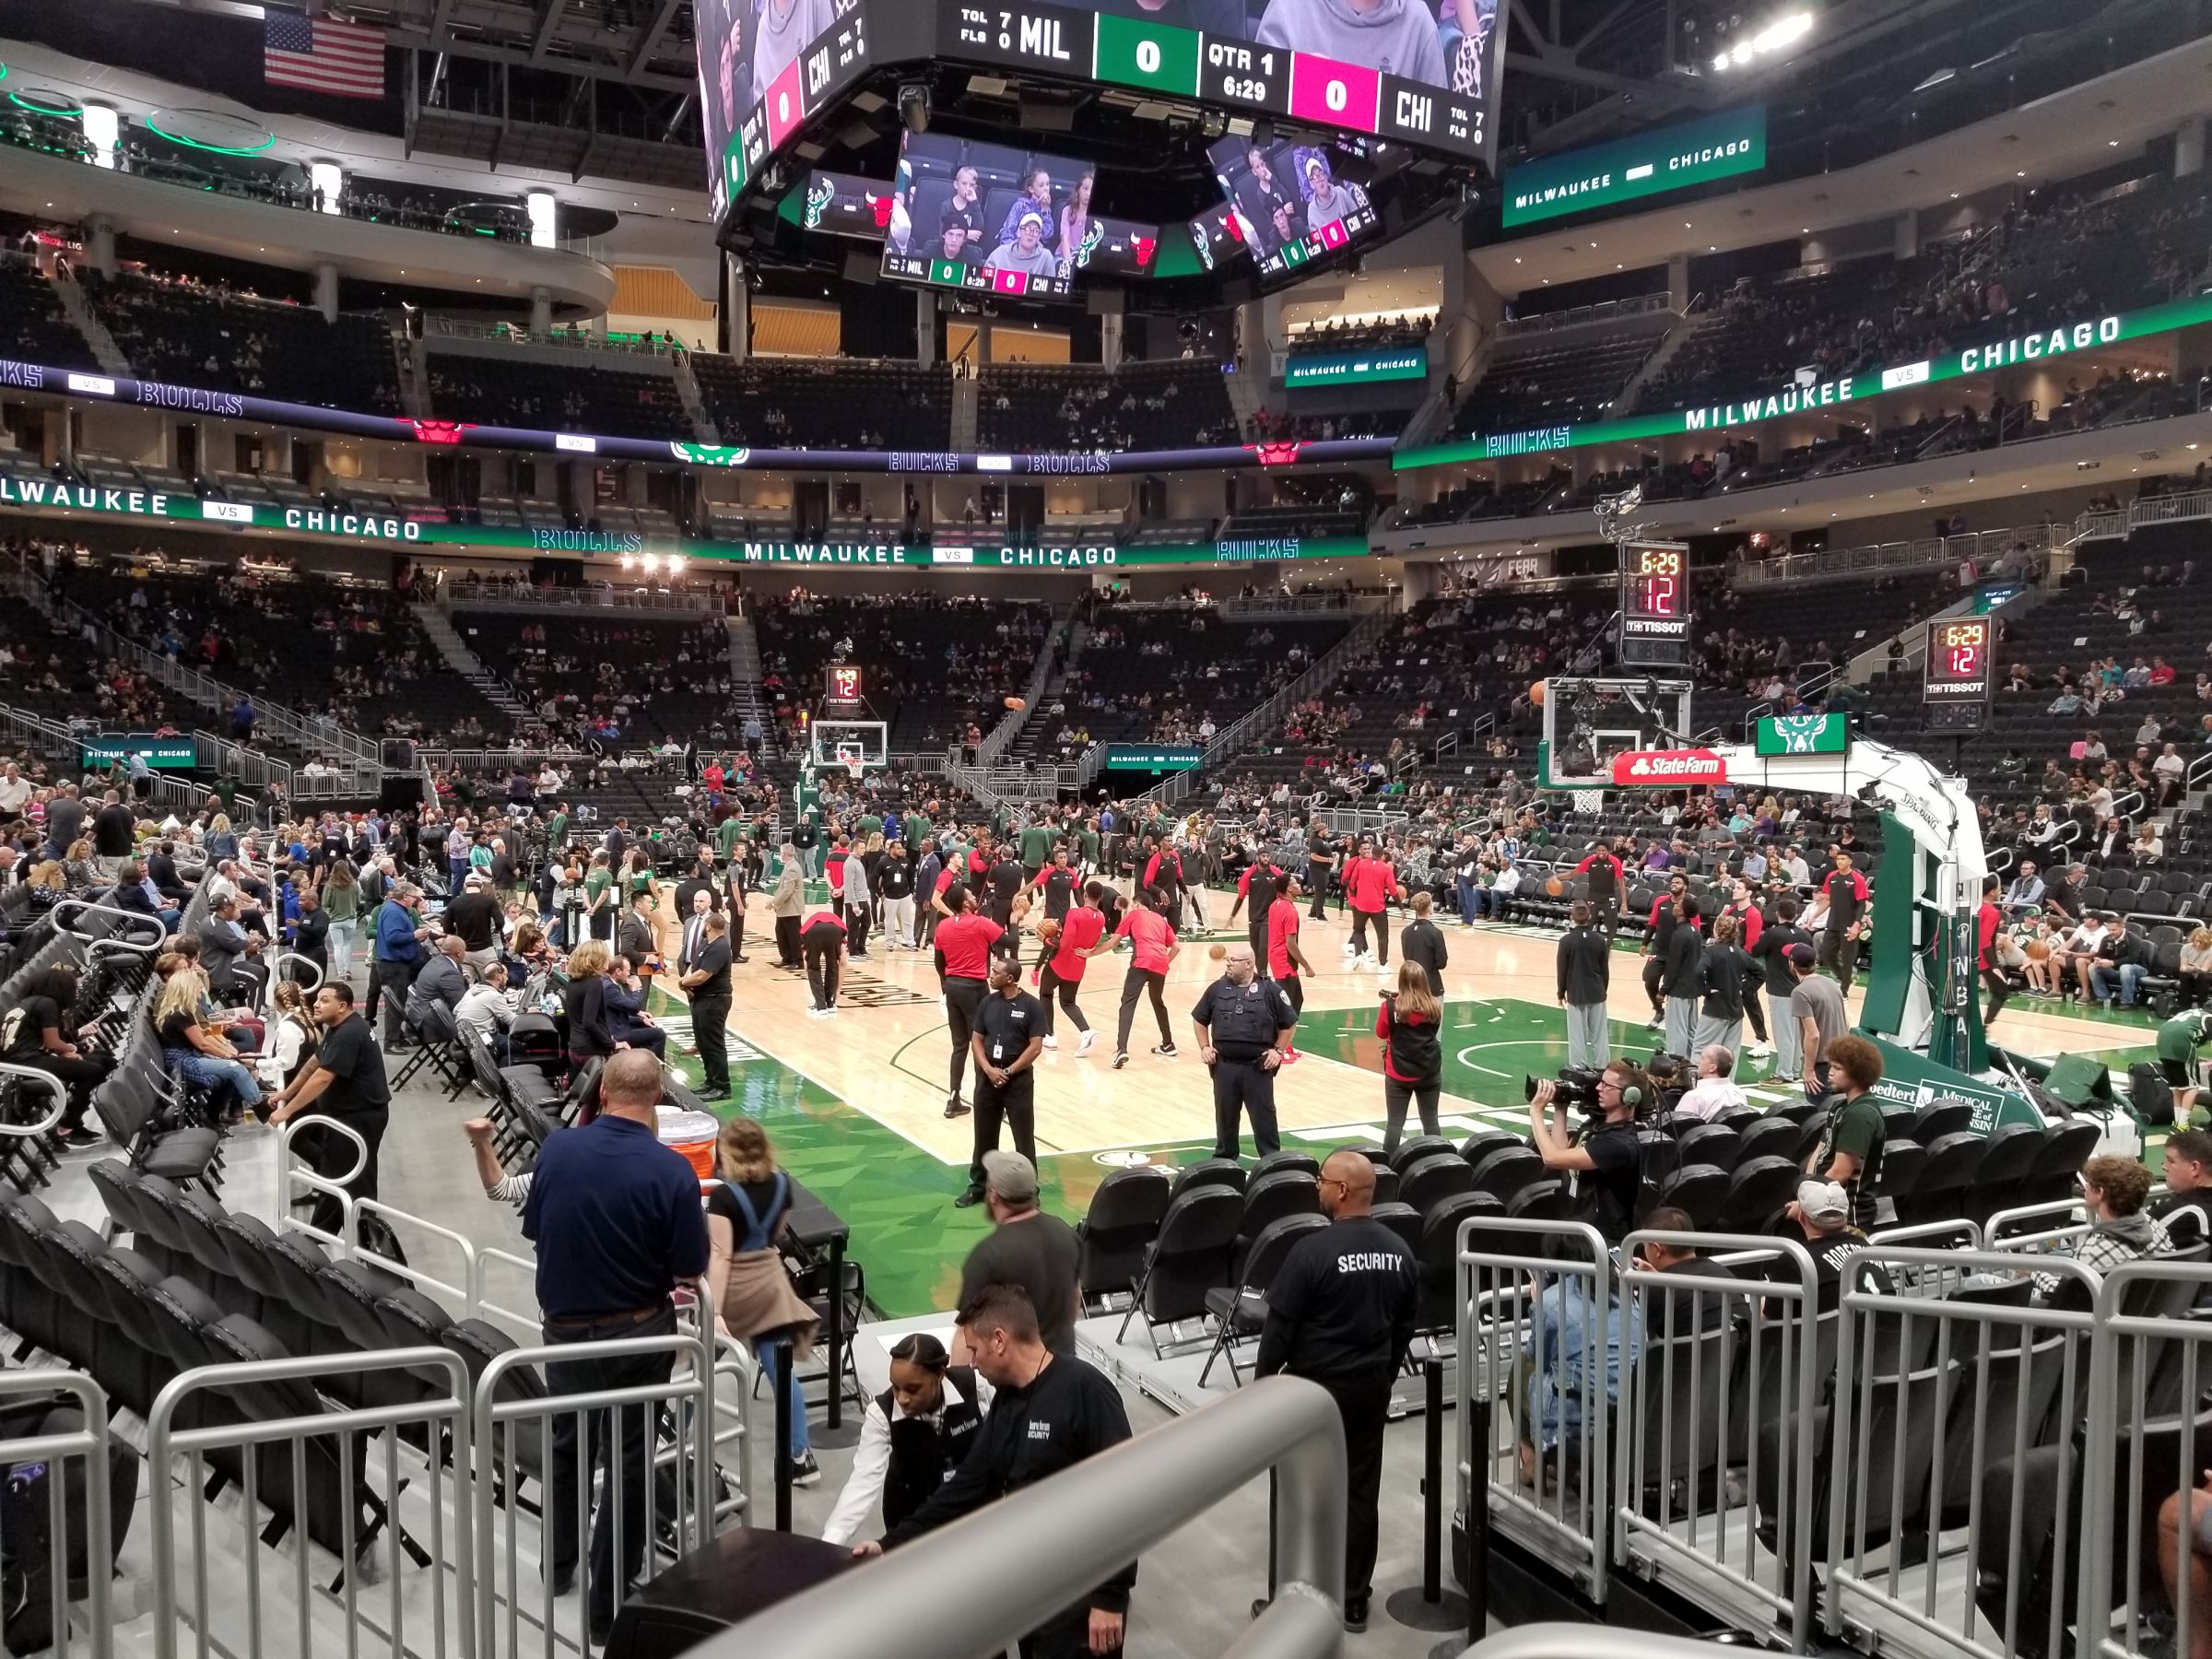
(705, 975)
(701, 879)
(634, 935)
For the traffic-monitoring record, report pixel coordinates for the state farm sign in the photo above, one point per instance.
(1669, 766)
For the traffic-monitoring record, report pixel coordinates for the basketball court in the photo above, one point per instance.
(856, 1104)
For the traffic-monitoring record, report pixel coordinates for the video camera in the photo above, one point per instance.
(1577, 1086)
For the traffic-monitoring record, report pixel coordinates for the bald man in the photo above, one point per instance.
(1340, 1314)
(1243, 1023)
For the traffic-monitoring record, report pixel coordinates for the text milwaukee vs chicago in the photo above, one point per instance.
(1701, 157)
(1669, 766)
(2023, 348)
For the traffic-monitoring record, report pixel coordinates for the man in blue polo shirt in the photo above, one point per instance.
(616, 1221)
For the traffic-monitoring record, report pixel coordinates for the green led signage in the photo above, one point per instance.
(1804, 735)
(1669, 158)
(162, 754)
(1151, 758)
(1357, 368)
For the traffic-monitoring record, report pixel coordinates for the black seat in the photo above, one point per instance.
(1402, 1219)
(1698, 1191)
(1940, 1194)
(2005, 1162)
(1191, 1256)
(1759, 1190)
(522, 1438)
(1427, 1181)
(1539, 1201)
(1507, 1170)
(1208, 1171)
(1713, 1144)
(1484, 1142)
(1286, 1160)
(1902, 1162)
(1411, 1152)
(1770, 1137)
(1386, 1185)
(1946, 1114)
(1124, 1218)
(2067, 1147)
(1239, 1311)
(1272, 1198)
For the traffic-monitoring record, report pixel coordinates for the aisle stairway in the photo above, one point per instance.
(465, 663)
(104, 349)
(695, 401)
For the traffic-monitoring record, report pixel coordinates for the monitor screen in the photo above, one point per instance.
(1293, 203)
(1113, 247)
(991, 218)
(1216, 237)
(764, 67)
(841, 204)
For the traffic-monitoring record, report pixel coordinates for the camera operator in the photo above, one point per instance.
(1604, 1149)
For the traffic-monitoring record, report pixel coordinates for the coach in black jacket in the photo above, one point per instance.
(1420, 940)
(1585, 975)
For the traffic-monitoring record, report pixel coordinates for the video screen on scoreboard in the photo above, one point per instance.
(842, 205)
(764, 66)
(991, 218)
(1293, 203)
(1215, 234)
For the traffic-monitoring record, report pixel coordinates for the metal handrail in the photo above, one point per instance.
(46, 1080)
(90, 1444)
(951, 1596)
(463, 596)
(92, 907)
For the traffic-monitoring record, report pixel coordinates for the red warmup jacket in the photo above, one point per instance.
(1368, 884)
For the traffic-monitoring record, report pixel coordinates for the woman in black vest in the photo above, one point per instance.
(914, 1435)
(1410, 1023)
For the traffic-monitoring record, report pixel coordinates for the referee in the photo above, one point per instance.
(1243, 1025)
(1340, 1314)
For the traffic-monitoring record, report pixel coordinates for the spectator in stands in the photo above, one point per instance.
(203, 1058)
(441, 980)
(399, 957)
(488, 1008)
(136, 891)
(2186, 1209)
(230, 955)
(2195, 971)
(2113, 1191)
(40, 1032)
(1822, 1212)
(633, 1025)
(2125, 960)
(1715, 1093)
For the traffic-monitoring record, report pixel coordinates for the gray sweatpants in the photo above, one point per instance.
(1728, 1033)
(1681, 1025)
(1589, 1040)
(1789, 1046)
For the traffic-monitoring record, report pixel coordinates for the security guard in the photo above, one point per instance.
(1007, 1037)
(1340, 1312)
(1243, 1024)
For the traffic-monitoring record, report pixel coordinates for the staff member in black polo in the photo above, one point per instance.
(616, 1221)
(1007, 1037)
(706, 979)
(345, 1081)
(1340, 1314)
(1243, 1025)
(1050, 1412)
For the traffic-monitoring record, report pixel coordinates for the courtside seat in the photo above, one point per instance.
(1713, 1144)
(1208, 1171)
(1507, 1169)
(2066, 1147)
(1288, 1161)
(2005, 1161)
(1428, 1181)
(1412, 1151)
(1698, 1190)
(1123, 1220)
(1770, 1137)
(1239, 1311)
(1940, 1193)
(1483, 1142)
(1404, 1220)
(1757, 1192)
(1275, 1197)
(1190, 1257)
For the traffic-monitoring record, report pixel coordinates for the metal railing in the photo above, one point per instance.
(508, 595)
(1001, 737)
(78, 1550)
(1927, 552)
(949, 1596)
(1609, 310)
(456, 328)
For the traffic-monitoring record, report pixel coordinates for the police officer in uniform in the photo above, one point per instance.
(1243, 1025)
(1340, 1312)
(1007, 1037)
(915, 1435)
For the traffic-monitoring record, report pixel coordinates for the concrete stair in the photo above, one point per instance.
(695, 401)
(467, 665)
(967, 403)
(104, 350)
(412, 369)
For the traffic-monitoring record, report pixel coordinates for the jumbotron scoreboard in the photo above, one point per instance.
(1957, 680)
(1655, 605)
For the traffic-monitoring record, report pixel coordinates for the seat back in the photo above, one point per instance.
(1770, 1137)
(1272, 1198)
(1757, 1192)
(1191, 1254)
(1208, 1171)
(1265, 1257)
(1274, 1161)
(1411, 1152)
(1507, 1170)
(1713, 1144)
(1428, 1181)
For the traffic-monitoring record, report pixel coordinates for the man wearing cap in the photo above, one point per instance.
(1823, 1211)
(1026, 252)
(952, 237)
(475, 917)
(1027, 1248)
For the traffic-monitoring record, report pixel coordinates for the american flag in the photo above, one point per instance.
(317, 55)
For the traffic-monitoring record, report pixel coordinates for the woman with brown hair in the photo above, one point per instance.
(591, 1032)
(1410, 1022)
(747, 1209)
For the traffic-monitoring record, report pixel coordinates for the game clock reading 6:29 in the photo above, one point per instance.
(1958, 657)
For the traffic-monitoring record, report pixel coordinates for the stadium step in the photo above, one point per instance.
(465, 663)
(1685, 326)
(695, 401)
(104, 349)
(967, 418)
(412, 370)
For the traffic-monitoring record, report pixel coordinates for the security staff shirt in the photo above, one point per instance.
(1244, 1020)
(1342, 1303)
(1007, 1024)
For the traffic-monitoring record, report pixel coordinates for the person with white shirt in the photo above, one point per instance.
(14, 791)
(914, 1436)
(2081, 950)
(1715, 1094)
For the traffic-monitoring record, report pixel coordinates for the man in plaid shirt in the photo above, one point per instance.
(2121, 1229)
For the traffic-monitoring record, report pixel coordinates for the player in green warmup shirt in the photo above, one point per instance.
(871, 825)
(727, 835)
(2179, 1039)
(1086, 841)
(1036, 848)
(557, 833)
(918, 830)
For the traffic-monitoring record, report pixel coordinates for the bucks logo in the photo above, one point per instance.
(820, 192)
(1803, 734)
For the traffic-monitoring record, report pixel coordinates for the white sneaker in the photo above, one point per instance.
(1350, 949)
(1758, 1049)
(1051, 1043)
(1384, 978)
(1083, 1047)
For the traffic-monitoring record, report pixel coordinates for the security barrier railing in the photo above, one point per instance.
(1930, 1445)
(59, 1467)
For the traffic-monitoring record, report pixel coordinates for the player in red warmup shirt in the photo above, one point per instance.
(1370, 883)
(1285, 961)
(966, 938)
(1152, 948)
(1080, 930)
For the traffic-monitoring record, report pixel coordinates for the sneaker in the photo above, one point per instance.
(1350, 949)
(956, 1107)
(830, 1012)
(1657, 1022)
(1166, 1051)
(1083, 1047)
(1759, 1050)
(1121, 1059)
(1052, 1041)
(969, 1199)
(806, 1472)
(80, 1138)
(1291, 1056)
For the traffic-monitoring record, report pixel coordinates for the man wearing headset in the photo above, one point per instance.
(1607, 1161)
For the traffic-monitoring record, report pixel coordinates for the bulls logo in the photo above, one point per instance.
(438, 431)
(1276, 454)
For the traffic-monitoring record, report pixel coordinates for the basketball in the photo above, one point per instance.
(2038, 951)
(1535, 694)
(1216, 951)
(1048, 929)
(1018, 703)
(1555, 886)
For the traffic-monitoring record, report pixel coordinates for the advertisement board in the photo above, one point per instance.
(1645, 164)
(161, 754)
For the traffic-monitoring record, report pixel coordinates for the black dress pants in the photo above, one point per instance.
(1011, 1104)
(332, 1155)
(787, 941)
(821, 949)
(1363, 1402)
(710, 1029)
(1243, 1088)
(962, 998)
(620, 1449)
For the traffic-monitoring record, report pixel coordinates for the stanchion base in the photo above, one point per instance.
(1416, 1612)
(1452, 1647)
(845, 1434)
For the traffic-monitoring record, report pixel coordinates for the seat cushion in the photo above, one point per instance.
(180, 1155)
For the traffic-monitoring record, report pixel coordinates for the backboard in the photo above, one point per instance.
(849, 743)
(1588, 722)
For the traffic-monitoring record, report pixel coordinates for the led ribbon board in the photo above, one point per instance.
(1651, 163)
(1357, 368)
